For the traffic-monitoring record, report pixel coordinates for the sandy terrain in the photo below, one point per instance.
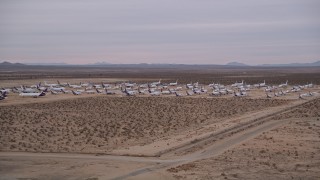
(290, 151)
(102, 124)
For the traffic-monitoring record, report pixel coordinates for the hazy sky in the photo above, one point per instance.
(160, 31)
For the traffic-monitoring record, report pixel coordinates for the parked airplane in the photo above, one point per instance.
(84, 84)
(216, 93)
(62, 84)
(49, 85)
(3, 95)
(154, 93)
(29, 90)
(89, 91)
(283, 85)
(129, 92)
(156, 83)
(174, 84)
(74, 86)
(5, 90)
(263, 84)
(54, 92)
(35, 95)
(76, 92)
(98, 91)
(65, 91)
(308, 85)
(58, 89)
(165, 91)
(236, 84)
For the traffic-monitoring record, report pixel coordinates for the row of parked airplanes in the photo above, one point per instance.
(154, 89)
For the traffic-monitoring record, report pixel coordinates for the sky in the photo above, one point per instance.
(166, 31)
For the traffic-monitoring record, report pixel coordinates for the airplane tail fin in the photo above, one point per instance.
(42, 93)
(74, 93)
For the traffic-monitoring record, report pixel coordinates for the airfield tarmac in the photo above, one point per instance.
(201, 137)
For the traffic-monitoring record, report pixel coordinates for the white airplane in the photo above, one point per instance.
(84, 84)
(49, 85)
(306, 94)
(28, 90)
(283, 85)
(3, 95)
(5, 90)
(74, 86)
(196, 85)
(165, 91)
(295, 89)
(89, 91)
(213, 84)
(263, 84)
(308, 85)
(105, 85)
(223, 92)
(154, 93)
(143, 85)
(62, 84)
(54, 92)
(57, 89)
(35, 95)
(174, 84)
(236, 84)
(65, 91)
(141, 91)
(98, 91)
(216, 93)
(196, 91)
(97, 86)
(156, 83)
(268, 89)
(129, 92)
(76, 92)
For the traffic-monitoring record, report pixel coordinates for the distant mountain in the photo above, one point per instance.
(47, 64)
(6, 63)
(317, 63)
(236, 64)
(102, 63)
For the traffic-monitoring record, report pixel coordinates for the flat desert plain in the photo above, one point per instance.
(95, 136)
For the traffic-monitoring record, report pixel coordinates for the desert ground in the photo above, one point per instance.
(98, 136)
